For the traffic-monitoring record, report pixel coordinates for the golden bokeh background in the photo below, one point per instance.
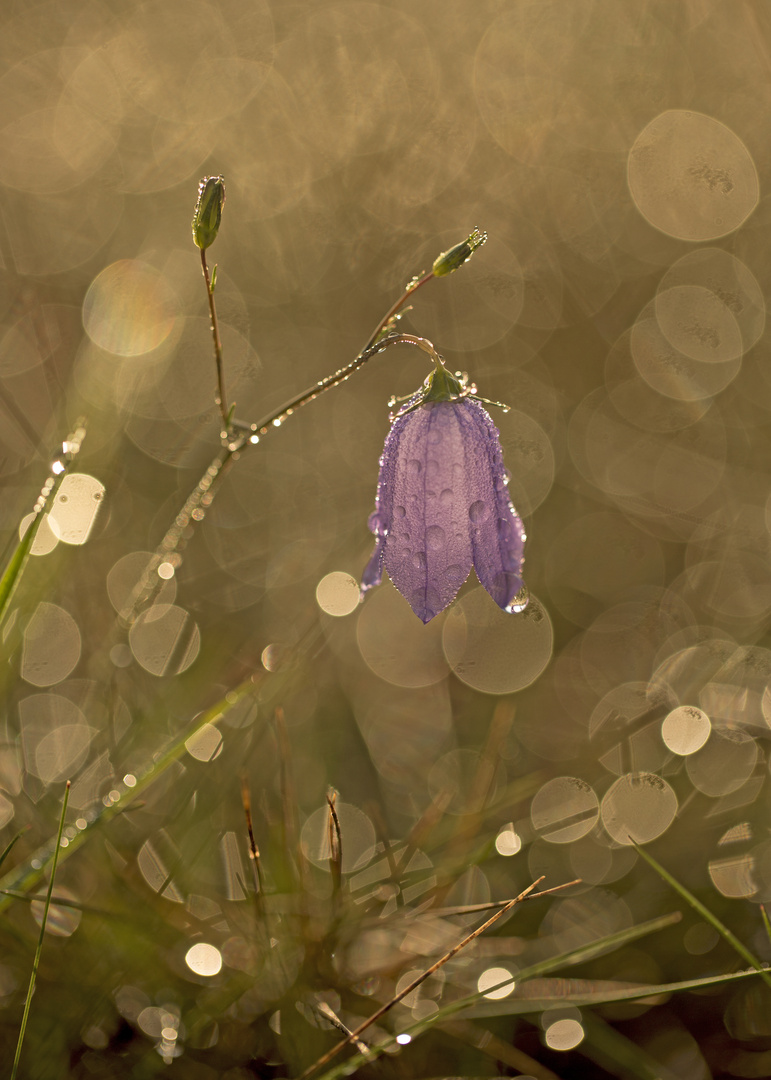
(618, 156)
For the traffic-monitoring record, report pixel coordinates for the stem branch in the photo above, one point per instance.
(215, 333)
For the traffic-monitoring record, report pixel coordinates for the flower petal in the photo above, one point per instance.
(428, 550)
(496, 530)
(380, 521)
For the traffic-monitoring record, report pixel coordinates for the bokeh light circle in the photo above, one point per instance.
(396, 645)
(63, 920)
(165, 640)
(493, 651)
(337, 594)
(129, 308)
(563, 1035)
(638, 807)
(724, 764)
(494, 977)
(204, 959)
(691, 176)
(685, 730)
(697, 323)
(564, 810)
(356, 829)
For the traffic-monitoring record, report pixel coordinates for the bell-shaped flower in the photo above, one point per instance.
(443, 504)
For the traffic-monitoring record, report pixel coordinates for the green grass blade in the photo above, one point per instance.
(593, 949)
(12, 574)
(574, 956)
(617, 1054)
(349, 1066)
(39, 950)
(13, 571)
(706, 914)
(25, 877)
(576, 993)
(10, 845)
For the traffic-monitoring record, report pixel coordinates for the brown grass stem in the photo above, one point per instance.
(325, 1058)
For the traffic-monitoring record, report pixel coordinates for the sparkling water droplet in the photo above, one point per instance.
(520, 601)
(376, 524)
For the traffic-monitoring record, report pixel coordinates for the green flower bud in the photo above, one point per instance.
(208, 210)
(450, 260)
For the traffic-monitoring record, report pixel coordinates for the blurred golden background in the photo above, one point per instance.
(617, 155)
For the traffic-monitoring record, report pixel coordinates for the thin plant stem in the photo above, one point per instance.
(766, 922)
(412, 288)
(240, 436)
(11, 575)
(325, 1010)
(705, 913)
(335, 844)
(254, 851)
(497, 1048)
(215, 333)
(276, 418)
(416, 982)
(39, 950)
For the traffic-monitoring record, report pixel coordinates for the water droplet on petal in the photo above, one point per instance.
(478, 511)
(419, 560)
(376, 524)
(414, 467)
(454, 574)
(446, 496)
(399, 511)
(435, 537)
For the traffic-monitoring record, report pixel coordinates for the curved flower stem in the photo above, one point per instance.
(238, 435)
(221, 399)
(413, 286)
(276, 419)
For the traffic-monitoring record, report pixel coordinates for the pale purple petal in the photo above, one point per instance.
(428, 549)
(380, 521)
(497, 532)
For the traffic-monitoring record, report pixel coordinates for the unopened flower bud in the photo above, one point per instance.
(450, 260)
(208, 210)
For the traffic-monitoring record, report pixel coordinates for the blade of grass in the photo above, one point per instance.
(487, 1043)
(39, 950)
(415, 983)
(348, 1067)
(766, 921)
(14, 569)
(621, 1057)
(706, 914)
(574, 956)
(335, 840)
(593, 949)
(582, 997)
(27, 876)
(10, 845)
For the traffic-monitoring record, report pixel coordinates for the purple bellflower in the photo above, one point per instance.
(442, 503)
